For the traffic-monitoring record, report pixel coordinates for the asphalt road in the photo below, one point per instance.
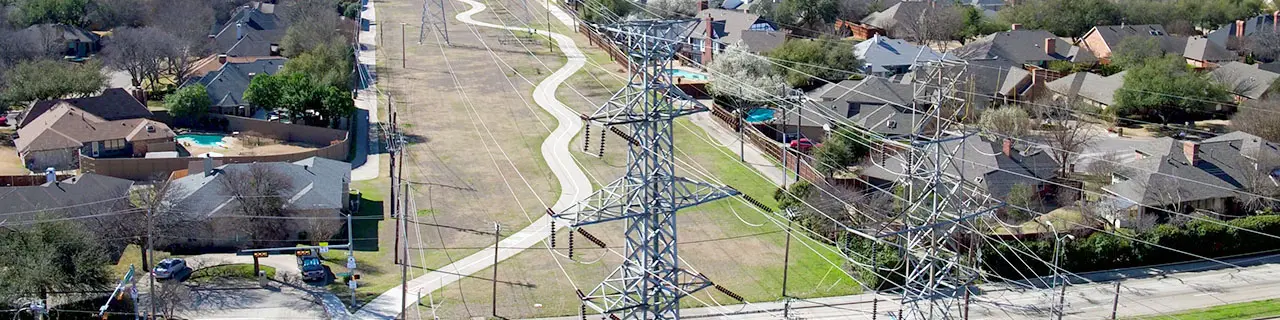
(574, 185)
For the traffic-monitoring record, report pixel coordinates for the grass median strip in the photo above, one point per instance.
(1245, 310)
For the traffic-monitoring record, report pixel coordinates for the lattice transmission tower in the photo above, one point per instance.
(650, 281)
(941, 201)
(429, 22)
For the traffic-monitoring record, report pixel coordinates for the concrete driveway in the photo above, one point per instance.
(245, 299)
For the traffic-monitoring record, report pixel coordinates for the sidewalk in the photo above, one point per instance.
(729, 139)
(365, 164)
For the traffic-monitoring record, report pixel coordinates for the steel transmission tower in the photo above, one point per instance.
(941, 203)
(442, 28)
(650, 282)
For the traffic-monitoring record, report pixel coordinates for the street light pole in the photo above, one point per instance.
(1057, 273)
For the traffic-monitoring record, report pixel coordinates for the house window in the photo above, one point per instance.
(761, 27)
(112, 145)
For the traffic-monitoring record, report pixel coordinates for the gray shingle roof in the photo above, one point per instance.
(1113, 35)
(1088, 85)
(1244, 79)
(1202, 49)
(761, 41)
(316, 183)
(984, 165)
(249, 33)
(112, 104)
(226, 86)
(901, 11)
(65, 126)
(1022, 47)
(1164, 175)
(1252, 26)
(878, 52)
(728, 25)
(988, 78)
(874, 103)
(83, 194)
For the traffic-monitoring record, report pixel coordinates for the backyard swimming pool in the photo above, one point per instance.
(203, 140)
(686, 74)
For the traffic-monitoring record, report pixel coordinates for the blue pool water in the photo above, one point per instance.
(201, 139)
(687, 74)
(759, 115)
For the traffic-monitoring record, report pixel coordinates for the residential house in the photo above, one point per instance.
(1203, 53)
(1245, 81)
(1102, 40)
(1087, 87)
(316, 187)
(1230, 36)
(112, 104)
(250, 32)
(986, 5)
(73, 42)
(1188, 176)
(899, 19)
(60, 135)
(82, 195)
(874, 103)
(886, 57)
(1024, 47)
(979, 83)
(719, 28)
(993, 167)
(227, 85)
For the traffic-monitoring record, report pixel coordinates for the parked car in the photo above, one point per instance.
(312, 269)
(168, 268)
(802, 144)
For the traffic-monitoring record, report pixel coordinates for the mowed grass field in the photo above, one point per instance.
(731, 242)
(1247, 310)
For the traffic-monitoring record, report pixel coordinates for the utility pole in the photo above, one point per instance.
(351, 260)
(497, 237)
(1115, 304)
(393, 148)
(151, 276)
(403, 59)
(404, 265)
(786, 256)
(550, 46)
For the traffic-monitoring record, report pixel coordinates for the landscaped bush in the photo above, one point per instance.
(1105, 250)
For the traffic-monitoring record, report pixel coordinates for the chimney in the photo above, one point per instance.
(275, 50)
(1191, 150)
(1050, 46)
(1239, 28)
(702, 5)
(222, 59)
(1275, 21)
(239, 30)
(208, 165)
(50, 175)
(1015, 27)
(708, 45)
(1007, 147)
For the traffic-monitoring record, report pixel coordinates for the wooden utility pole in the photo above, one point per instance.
(1115, 304)
(786, 257)
(497, 237)
(404, 265)
(403, 64)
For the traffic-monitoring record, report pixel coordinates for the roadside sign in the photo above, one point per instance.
(352, 284)
(351, 262)
(133, 292)
(324, 247)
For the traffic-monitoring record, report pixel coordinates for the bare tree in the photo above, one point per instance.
(171, 297)
(138, 51)
(107, 14)
(1066, 136)
(1259, 118)
(932, 26)
(258, 195)
(1258, 186)
(311, 23)
(1010, 121)
(1264, 46)
(321, 225)
(187, 20)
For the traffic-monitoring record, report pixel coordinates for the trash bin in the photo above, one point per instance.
(262, 278)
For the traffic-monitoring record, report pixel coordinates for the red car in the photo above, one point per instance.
(802, 144)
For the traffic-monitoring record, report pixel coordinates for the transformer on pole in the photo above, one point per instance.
(650, 281)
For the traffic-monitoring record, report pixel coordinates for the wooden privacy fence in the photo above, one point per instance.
(28, 180)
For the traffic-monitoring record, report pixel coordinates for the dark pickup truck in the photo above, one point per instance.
(312, 269)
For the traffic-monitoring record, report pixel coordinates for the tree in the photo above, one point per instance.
(108, 14)
(329, 64)
(171, 297)
(188, 102)
(675, 8)
(31, 12)
(1259, 118)
(1067, 136)
(1009, 121)
(606, 11)
(49, 256)
(259, 202)
(265, 91)
(809, 15)
(976, 24)
(1165, 89)
(1132, 51)
(311, 24)
(826, 59)
(843, 147)
(744, 77)
(1024, 203)
(935, 24)
(186, 20)
(1070, 18)
(1264, 46)
(140, 52)
(337, 104)
(51, 79)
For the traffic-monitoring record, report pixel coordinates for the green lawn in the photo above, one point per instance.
(1246, 310)
(131, 256)
(242, 271)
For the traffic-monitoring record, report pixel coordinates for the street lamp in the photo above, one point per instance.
(1057, 273)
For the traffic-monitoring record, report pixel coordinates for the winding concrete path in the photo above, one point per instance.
(574, 185)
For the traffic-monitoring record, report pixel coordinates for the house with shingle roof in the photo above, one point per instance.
(896, 16)
(81, 195)
(1024, 47)
(984, 82)
(227, 85)
(720, 28)
(1245, 81)
(883, 56)
(112, 104)
(250, 33)
(1102, 40)
(59, 136)
(1087, 87)
(74, 42)
(1189, 176)
(315, 187)
(1204, 53)
(993, 166)
(1230, 35)
(874, 103)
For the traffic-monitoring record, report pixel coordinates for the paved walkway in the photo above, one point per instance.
(366, 163)
(729, 139)
(573, 182)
